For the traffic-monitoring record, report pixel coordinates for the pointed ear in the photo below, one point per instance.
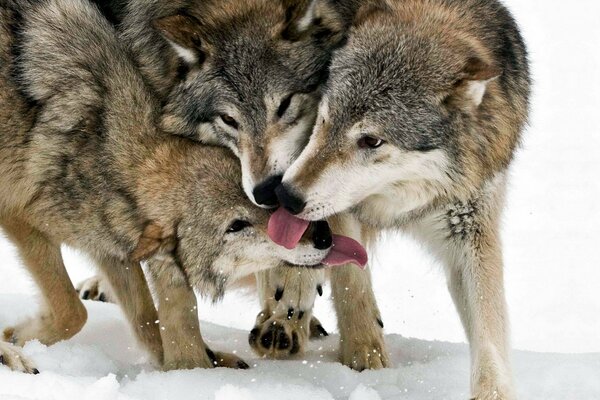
(183, 31)
(475, 78)
(321, 20)
(154, 239)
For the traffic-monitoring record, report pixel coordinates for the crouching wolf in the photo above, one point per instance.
(82, 163)
(424, 109)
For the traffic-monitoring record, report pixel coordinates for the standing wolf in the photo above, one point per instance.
(83, 163)
(247, 75)
(416, 131)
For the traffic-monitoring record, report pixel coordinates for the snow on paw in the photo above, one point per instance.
(96, 288)
(360, 356)
(191, 360)
(12, 357)
(491, 389)
(228, 360)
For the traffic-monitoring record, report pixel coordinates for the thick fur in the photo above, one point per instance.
(424, 110)
(83, 163)
(240, 74)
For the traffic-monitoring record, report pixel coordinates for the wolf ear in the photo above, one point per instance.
(182, 31)
(324, 21)
(472, 84)
(154, 239)
(475, 78)
(329, 21)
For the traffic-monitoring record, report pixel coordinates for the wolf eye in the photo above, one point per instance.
(227, 120)
(369, 142)
(285, 104)
(238, 226)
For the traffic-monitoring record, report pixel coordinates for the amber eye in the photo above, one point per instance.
(369, 142)
(229, 121)
(238, 226)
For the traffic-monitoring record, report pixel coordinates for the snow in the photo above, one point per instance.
(102, 362)
(551, 231)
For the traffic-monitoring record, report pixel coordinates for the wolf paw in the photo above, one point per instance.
(361, 356)
(46, 329)
(96, 288)
(207, 360)
(493, 390)
(227, 360)
(281, 338)
(12, 357)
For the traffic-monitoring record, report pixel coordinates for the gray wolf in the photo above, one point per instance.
(83, 163)
(242, 75)
(423, 111)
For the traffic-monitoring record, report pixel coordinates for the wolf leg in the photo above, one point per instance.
(131, 292)
(362, 345)
(13, 358)
(476, 286)
(361, 331)
(183, 345)
(63, 313)
(285, 323)
(468, 245)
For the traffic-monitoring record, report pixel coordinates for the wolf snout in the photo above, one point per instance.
(264, 194)
(289, 199)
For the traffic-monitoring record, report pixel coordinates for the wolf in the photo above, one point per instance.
(422, 115)
(246, 75)
(84, 163)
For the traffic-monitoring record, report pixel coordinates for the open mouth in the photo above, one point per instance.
(287, 230)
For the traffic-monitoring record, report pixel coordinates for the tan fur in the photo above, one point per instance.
(442, 87)
(84, 164)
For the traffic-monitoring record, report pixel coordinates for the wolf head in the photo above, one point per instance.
(251, 82)
(205, 223)
(413, 112)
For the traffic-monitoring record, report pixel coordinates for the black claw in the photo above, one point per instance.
(241, 364)
(320, 290)
(253, 335)
(322, 331)
(278, 294)
(86, 295)
(300, 314)
(380, 322)
(102, 298)
(35, 371)
(295, 344)
(1, 359)
(212, 356)
(290, 313)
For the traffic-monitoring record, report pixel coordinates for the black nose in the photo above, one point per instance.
(290, 200)
(322, 235)
(264, 194)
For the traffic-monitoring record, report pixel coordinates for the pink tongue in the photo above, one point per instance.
(285, 229)
(346, 250)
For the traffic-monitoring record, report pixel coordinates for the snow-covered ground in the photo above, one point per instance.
(103, 363)
(551, 230)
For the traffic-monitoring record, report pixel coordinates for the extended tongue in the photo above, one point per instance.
(346, 250)
(285, 229)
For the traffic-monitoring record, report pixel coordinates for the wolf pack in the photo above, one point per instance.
(192, 146)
